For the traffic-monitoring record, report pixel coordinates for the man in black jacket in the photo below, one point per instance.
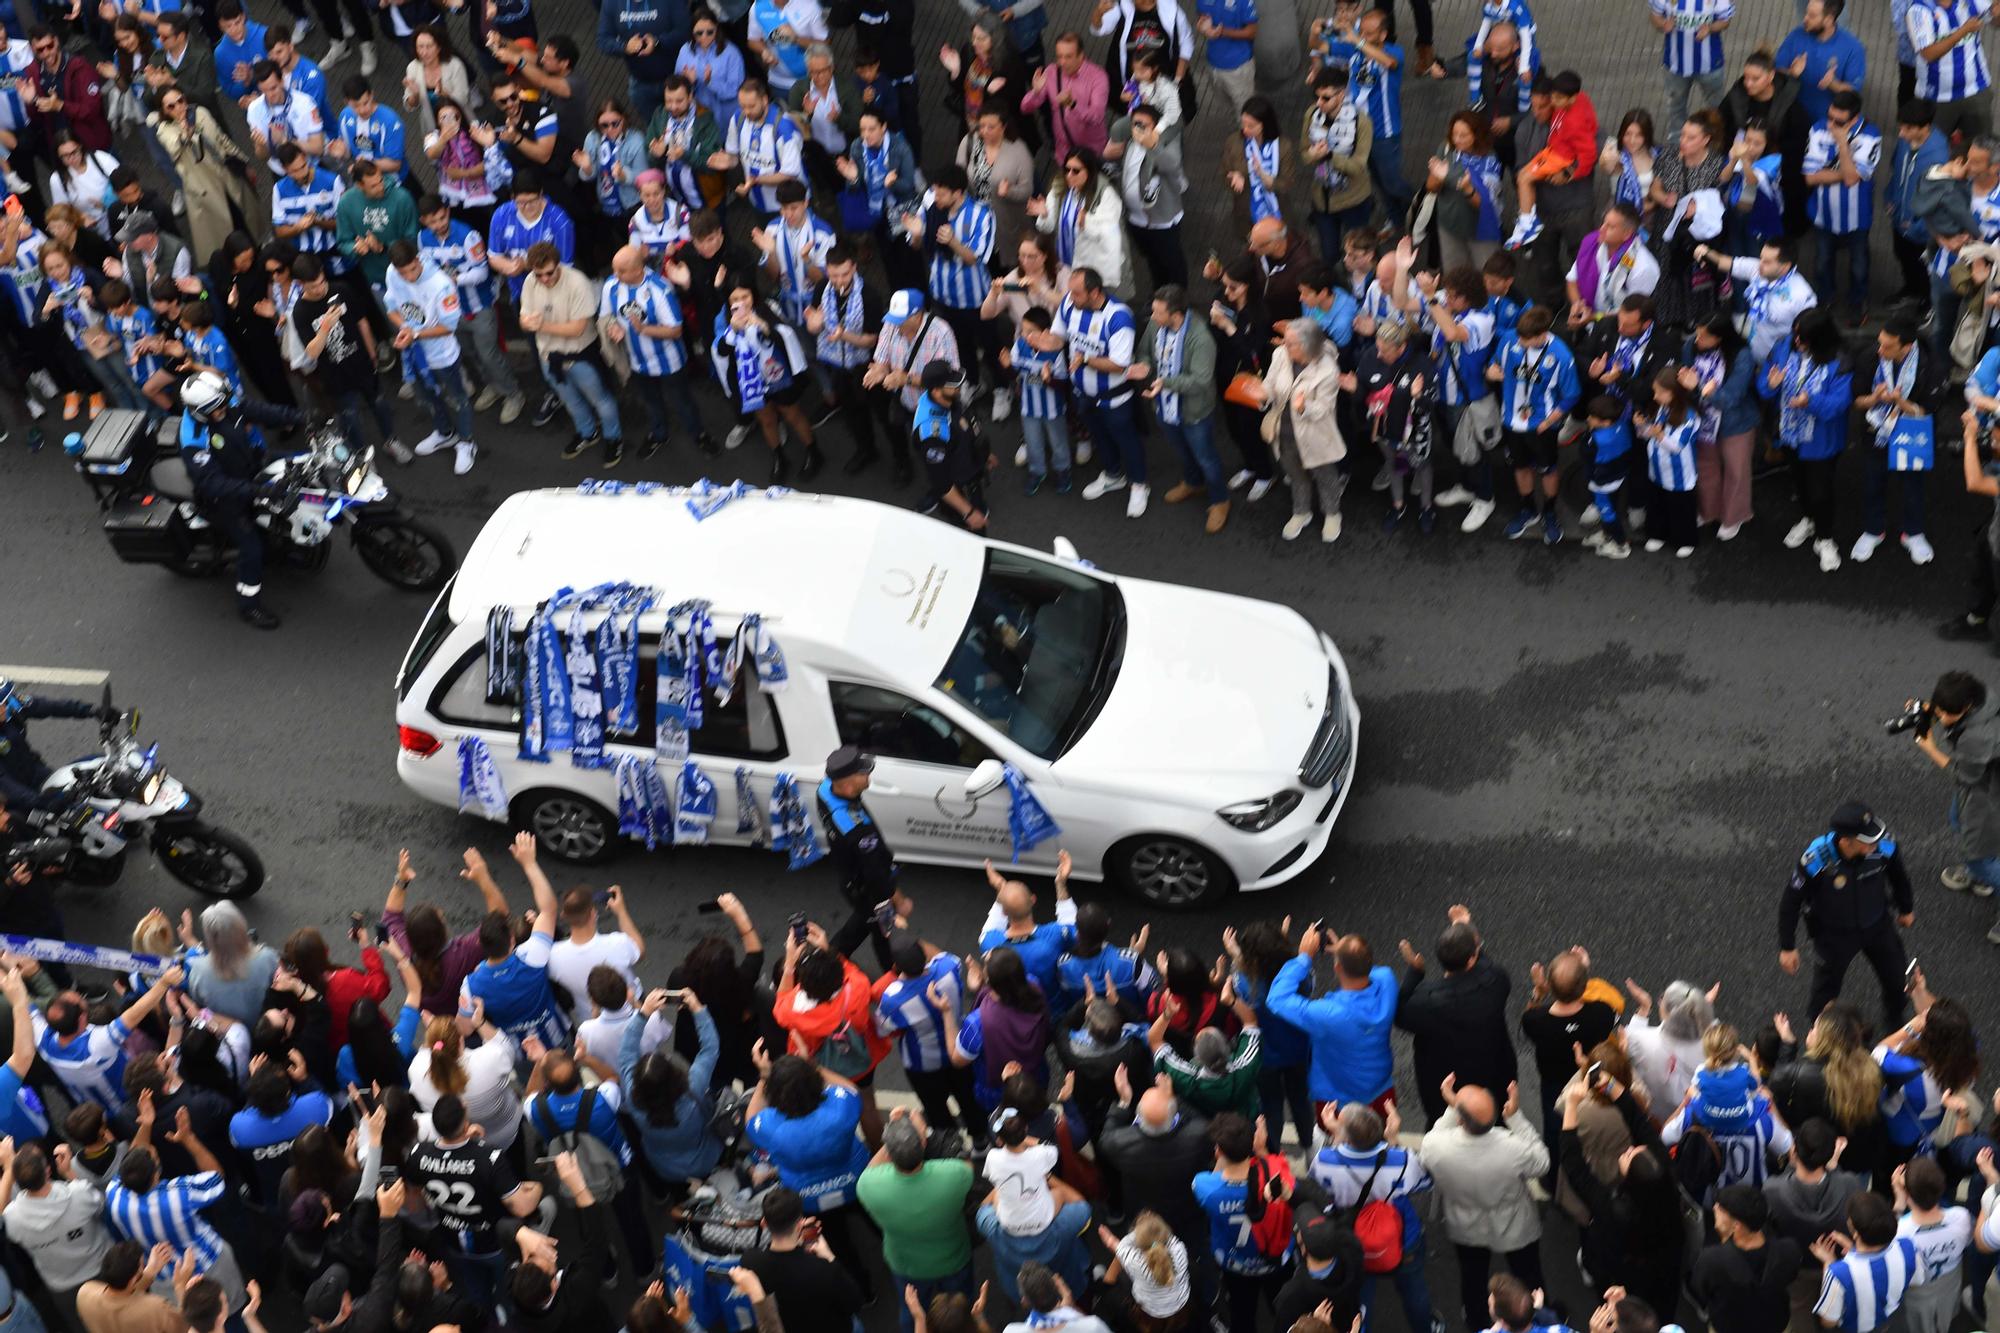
(224, 451)
(1908, 387)
(1744, 1279)
(1329, 1271)
(548, 1299)
(1156, 1152)
(1459, 1020)
(22, 771)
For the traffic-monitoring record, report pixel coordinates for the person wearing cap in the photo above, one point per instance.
(1744, 1279)
(1844, 884)
(920, 1205)
(911, 337)
(146, 253)
(856, 849)
(954, 487)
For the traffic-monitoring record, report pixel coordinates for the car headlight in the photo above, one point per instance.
(1256, 816)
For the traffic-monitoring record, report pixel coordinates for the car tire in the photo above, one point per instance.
(1170, 872)
(571, 828)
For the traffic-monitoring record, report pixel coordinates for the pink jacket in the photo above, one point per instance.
(1084, 125)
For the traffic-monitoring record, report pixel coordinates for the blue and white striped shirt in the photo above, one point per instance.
(210, 348)
(1536, 383)
(1379, 90)
(957, 283)
(291, 203)
(379, 138)
(1670, 454)
(16, 65)
(843, 313)
(170, 1212)
(649, 301)
(1863, 1288)
(662, 234)
(129, 330)
(1962, 71)
(1106, 332)
(1168, 346)
(1839, 209)
(460, 254)
(1912, 1102)
(1683, 53)
(91, 1064)
(906, 1013)
(773, 145)
(1462, 365)
(799, 251)
(1038, 398)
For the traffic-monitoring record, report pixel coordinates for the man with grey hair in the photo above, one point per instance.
(828, 107)
(1222, 1076)
(1483, 1179)
(1362, 1161)
(1156, 1151)
(920, 1206)
(1101, 1035)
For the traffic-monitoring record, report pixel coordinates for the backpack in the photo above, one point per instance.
(1272, 1227)
(845, 1052)
(1698, 1164)
(1377, 1225)
(602, 1174)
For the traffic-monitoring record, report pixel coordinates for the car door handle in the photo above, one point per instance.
(885, 789)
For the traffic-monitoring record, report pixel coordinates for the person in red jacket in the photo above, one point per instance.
(1572, 148)
(306, 955)
(66, 96)
(827, 1009)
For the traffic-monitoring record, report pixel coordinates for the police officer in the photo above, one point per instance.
(954, 468)
(861, 858)
(224, 452)
(1844, 883)
(22, 771)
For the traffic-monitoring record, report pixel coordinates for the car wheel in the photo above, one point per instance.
(568, 827)
(1170, 872)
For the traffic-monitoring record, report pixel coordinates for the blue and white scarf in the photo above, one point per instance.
(1167, 364)
(479, 786)
(608, 196)
(750, 385)
(1797, 425)
(1882, 417)
(874, 164)
(503, 657)
(1709, 366)
(1069, 220)
(1028, 824)
(1626, 188)
(791, 830)
(694, 807)
(645, 810)
(585, 702)
(705, 498)
(546, 726)
(766, 658)
(618, 672)
(750, 817)
(1263, 199)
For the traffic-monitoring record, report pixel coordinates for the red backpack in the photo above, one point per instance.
(1270, 1218)
(1377, 1225)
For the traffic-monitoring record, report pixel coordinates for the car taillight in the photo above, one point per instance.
(419, 743)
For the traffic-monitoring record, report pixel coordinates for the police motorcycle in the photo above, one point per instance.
(103, 804)
(135, 470)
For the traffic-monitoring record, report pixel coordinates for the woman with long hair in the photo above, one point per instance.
(233, 970)
(1928, 1065)
(1242, 347)
(378, 1054)
(1687, 292)
(1258, 165)
(1810, 381)
(1835, 1079)
(1085, 214)
(1256, 953)
(1717, 367)
(442, 960)
(482, 1076)
(208, 162)
(1008, 1024)
(1000, 173)
(1600, 1126)
(609, 165)
(434, 76)
(1635, 1238)
(727, 985)
(984, 72)
(822, 1166)
(466, 179)
(67, 227)
(1627, 159)
(1196, 1002)
(1670, 456)
(1465, 178)
(241, 287)
(761, 364)
(82, 179)
(669, 1097)
(1153, 1260)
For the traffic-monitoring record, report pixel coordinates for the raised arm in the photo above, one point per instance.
(546, 907)
(625, 922)
(16, 990)
(746, 931)
(400, 885)
(135, 1013)
(481, 878)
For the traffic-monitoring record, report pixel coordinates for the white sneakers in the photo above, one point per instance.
(1683, 552)
(1135, 499)
(431, 443)
(461, 462)
(734, 440)
(1588, 517)
(1003, 404)
(1452, 498)
(1654, 546)
(1329, 531)
(1801, 533)
(1828, 553)
(1243, 477)
(1295, 525)
(1102, 485)
(368, 60)
(1476, 516)
(1864, 546)
(1611, 550)
(1727, 532)
(1021, 456)
(1919, 548)
(1260, 488)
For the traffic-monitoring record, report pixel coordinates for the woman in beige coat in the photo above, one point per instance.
(200, 152)
(1300, 389)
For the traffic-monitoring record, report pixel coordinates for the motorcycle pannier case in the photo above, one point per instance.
(146, 529)
(115, 441)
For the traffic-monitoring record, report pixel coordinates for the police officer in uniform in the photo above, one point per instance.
(861, 858)
(22, 771)
(224, 452)
(954, 452)
(1844, 883)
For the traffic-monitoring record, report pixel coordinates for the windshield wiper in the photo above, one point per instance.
(1098, 690)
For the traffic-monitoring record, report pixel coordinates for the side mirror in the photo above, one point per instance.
(1064, 548)
(985, 779)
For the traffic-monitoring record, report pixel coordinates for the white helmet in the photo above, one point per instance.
(204, 393)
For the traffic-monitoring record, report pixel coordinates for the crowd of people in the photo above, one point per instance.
(841, 251)
(517, 1124)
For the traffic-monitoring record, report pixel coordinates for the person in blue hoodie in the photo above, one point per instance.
(1103, 965)
(1727, 1101)
(1814, 390)
(1348, 1026)
(646, 35)
(1919, 147)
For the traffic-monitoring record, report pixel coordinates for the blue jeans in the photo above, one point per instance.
(644, 96)
(1059, 1246)
(350, 406)
(1116, 430)
(584, 396)
(657, 392)
(1385, 168)
(1855, 245)
(1200, 465)
(1047, 439)
(1411, 1287)
(1984, 869)
(961, 1282)
(445, 396)
(1875, 498)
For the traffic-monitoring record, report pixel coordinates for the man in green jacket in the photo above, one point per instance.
(372, 217)
(1179, 359)
(1222, 1075)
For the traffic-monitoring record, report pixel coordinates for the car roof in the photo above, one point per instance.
(848, 583)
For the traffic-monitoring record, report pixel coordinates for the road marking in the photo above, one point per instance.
(69, 677)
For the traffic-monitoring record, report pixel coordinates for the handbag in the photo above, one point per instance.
(1912, 445)
(1478, 429)
(1245, 389)
(856, 213)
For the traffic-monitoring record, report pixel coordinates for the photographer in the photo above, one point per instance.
(1963, 739)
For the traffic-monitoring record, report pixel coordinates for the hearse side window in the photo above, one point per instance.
(747, 727)
(895, 726)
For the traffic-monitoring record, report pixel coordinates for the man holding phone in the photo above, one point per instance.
(572, 959)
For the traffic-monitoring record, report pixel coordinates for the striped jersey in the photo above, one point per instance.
(661, 234)
(306, 77)
(1379, 90)
(771, 146)
(843, 312)
(78, 316)
(1961, 72)
(1462, 365)
(799, 250)
(1837, 208)
(904, 1011)
(169, 1213)
(291, 203)
(517, 995)
(15, 65)
(1536, 383)
(129, 329)
(1745, 1137)
(1863, 1288)
(296, 121)
(1684, 53)
(1035, 396)
(1912, 1102)
(1941, 1245)
(91, 1064)
(962, 284)
(649, 301)
(461, 255)
(1670, 454)
(1104, 332)
(1341, 1171)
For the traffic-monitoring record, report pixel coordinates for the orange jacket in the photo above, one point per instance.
(814, 1023)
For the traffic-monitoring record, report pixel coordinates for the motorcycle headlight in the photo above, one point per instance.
(150, 792)
(356, 480)
(1256, 816)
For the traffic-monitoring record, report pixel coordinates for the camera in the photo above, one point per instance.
(41, 856)
(1917, 717)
